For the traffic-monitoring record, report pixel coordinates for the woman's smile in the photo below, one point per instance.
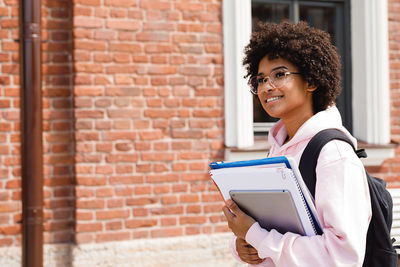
(274, 98)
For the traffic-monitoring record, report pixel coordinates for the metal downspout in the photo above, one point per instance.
(31, 133)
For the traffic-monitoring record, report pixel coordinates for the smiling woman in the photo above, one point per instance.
(295, 72)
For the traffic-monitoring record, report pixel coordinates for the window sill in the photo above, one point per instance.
(377, 154)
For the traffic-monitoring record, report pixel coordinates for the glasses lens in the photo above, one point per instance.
(253, 83)
(278, 78)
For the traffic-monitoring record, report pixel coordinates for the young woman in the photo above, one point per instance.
(295, 72)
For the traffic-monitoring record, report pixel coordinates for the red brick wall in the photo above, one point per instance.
(10, 204)
(148, 118)
(58, 126)
(133, 113)
(58, 129)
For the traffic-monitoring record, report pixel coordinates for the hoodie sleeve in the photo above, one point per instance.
(343, 205)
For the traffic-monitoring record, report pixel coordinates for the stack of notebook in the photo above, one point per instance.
(271, 190)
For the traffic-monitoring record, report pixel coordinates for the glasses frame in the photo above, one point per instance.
(267, 80)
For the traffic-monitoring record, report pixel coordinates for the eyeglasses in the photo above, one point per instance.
(276, 79)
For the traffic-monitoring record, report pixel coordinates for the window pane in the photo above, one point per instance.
(271, 12)
(330, 18)
(320, 17)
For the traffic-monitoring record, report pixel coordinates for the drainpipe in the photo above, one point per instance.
(31, 133)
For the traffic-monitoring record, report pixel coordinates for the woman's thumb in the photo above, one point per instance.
(233, 206)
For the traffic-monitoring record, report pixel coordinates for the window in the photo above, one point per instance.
(368, 72)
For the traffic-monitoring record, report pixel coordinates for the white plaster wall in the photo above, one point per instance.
(196, 251)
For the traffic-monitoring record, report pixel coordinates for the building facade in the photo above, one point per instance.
(139, 96)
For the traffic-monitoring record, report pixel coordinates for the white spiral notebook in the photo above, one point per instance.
(269, 175)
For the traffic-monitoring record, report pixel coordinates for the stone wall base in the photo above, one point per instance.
(199, 250)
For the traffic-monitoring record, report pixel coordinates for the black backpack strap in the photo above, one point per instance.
(309, 158)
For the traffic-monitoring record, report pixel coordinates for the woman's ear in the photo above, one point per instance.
(311, 88)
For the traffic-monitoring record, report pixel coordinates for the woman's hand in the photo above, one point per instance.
(246, 252)
(238, 221)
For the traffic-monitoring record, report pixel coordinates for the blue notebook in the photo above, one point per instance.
(268, 174)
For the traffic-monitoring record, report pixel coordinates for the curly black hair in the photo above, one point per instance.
(308, 48)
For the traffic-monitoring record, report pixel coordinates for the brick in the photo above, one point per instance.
(143, 168)
(141, 201)
(152, 37)
(88, 227)
(105, 35)
(89, 68)
(118, 13)
(5, 126)
(112, 158)
(124, 169)
(104, 192)
(103, 147)
(193, 209)
(112, 214)
(10, 230)
(150, 135)
(4, 80)
(126, 179)
(122, 91)
(170, 199)
(9, 23)
(192, 230)
(90, 204)
(102, 57)
(113, 225)
(117, 24)
(140, 212)
(86, 22)
(162, 113)
(162, 178)
(123, 146)
(161, 167)
(6, 242)
(121, 3)
(189, 198)
(142, 190)
(195, 177)
(88, 2)
(112, 236)
(155, 4)
(90, 181)
(82, 238)
(167, 232)
(187, 134)
(161, 189)
(115, 203)
(158, 48)
(10, 207)
(104, 169)
(140, 223)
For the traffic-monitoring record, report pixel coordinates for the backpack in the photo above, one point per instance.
(379, 248)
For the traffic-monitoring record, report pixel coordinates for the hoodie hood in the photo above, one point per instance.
(329, 118)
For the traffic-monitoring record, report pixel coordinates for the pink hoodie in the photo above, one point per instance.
(341, 198)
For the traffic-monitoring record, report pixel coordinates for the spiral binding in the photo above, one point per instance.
(310, 217)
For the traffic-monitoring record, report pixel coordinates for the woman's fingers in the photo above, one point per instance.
(233, 207)
(246, 252)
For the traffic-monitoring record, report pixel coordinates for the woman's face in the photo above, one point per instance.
(293, 100)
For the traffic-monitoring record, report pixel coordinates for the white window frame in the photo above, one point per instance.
(370, 72)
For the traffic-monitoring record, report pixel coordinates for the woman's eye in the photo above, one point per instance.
(279, 74)
(260, 80)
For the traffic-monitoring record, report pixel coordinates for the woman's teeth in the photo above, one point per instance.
(273, 98)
